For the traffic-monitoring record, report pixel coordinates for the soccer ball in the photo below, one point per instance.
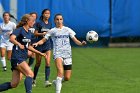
(92, 36)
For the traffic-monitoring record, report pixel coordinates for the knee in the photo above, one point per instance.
(37, 64)
(9, 58)
(30, 74)
(66, 78)
(14, 84)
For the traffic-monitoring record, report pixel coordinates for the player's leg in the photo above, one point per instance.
(59, 66)
(9, 53)
(36, 68)
(9, 50)
(67, 63)
(25, 69)
(3, 60)
(67, 74)
(31, 56)
(16, 77)
(47, 68)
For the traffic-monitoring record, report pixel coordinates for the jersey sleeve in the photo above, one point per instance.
(71, 33)
(16, 32)
(37, 26)
(49, 33)
(14, 26)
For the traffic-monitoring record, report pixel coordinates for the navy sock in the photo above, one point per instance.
(47, 73)
(35, 72)
(5, 86)
(28, 84)
(31, 61)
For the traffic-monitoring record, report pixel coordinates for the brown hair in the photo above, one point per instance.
(23, 20)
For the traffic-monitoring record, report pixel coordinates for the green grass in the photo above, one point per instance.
(95, 70)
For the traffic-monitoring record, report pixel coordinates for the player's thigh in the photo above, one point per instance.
(16, 78)
(29, 53)
(38, 58)
(48, 53)
(2, 51)
(25, 69)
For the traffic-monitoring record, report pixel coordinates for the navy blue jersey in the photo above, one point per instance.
(33, 38)
(41, 27)
(24, 38)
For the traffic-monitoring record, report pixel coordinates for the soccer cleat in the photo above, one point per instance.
(4, 68)
(34, 83)
(54, 82)
(48, 84)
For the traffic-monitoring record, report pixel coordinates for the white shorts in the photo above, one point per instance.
(8, 45)
(66, 61)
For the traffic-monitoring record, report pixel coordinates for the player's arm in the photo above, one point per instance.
(39, 34)
(15, 42)
(40, 42)
(76, 41)
(36, 51)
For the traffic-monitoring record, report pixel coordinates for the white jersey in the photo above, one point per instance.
(61, 41)
(6, 30)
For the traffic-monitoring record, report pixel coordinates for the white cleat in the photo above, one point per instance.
(48, 84)
(34, 83)
(54, 82)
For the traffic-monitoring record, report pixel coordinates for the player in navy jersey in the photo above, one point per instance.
(31, 54)
(61, 49)
(21, 39)
(41, 28)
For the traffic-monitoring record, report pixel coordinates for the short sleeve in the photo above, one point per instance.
(16, 32)
(71, 33)
(49, 33)
(37, 26)
(14, 26)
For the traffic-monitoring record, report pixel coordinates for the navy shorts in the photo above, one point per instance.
(15, 62)
(44, 48)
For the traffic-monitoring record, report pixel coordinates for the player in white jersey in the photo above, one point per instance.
(6, 28)
(61, 49)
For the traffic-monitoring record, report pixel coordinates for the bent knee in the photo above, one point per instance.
(31, 74)
(67, 78)
(14, 84)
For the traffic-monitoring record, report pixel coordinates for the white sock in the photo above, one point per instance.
(58, 84)
(3, 61)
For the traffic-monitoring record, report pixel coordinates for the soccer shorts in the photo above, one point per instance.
(8, 45)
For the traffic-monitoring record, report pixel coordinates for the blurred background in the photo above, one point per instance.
(116, 21)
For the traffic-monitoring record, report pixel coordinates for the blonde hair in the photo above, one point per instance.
(23, 20)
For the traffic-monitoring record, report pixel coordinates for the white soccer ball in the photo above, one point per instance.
(92, 36)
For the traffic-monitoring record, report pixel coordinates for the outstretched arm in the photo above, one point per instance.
(78, 42)
(36, 51)
(40, 42)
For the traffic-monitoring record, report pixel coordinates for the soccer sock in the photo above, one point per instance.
(31, 61)
(28, 84)
(47, 73)
(5, 86)
(58, 84)
(35, 72)
(3, 61)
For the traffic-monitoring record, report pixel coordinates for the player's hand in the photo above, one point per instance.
(84, 43)
(35, 44)
(44, 54)
(21, 46)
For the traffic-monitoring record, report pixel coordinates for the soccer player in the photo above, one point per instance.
(31, 54)
(40, 30)
(6, 28)
(61, 49)
(21, 38)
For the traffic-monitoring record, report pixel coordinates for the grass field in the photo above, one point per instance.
(95, 70)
